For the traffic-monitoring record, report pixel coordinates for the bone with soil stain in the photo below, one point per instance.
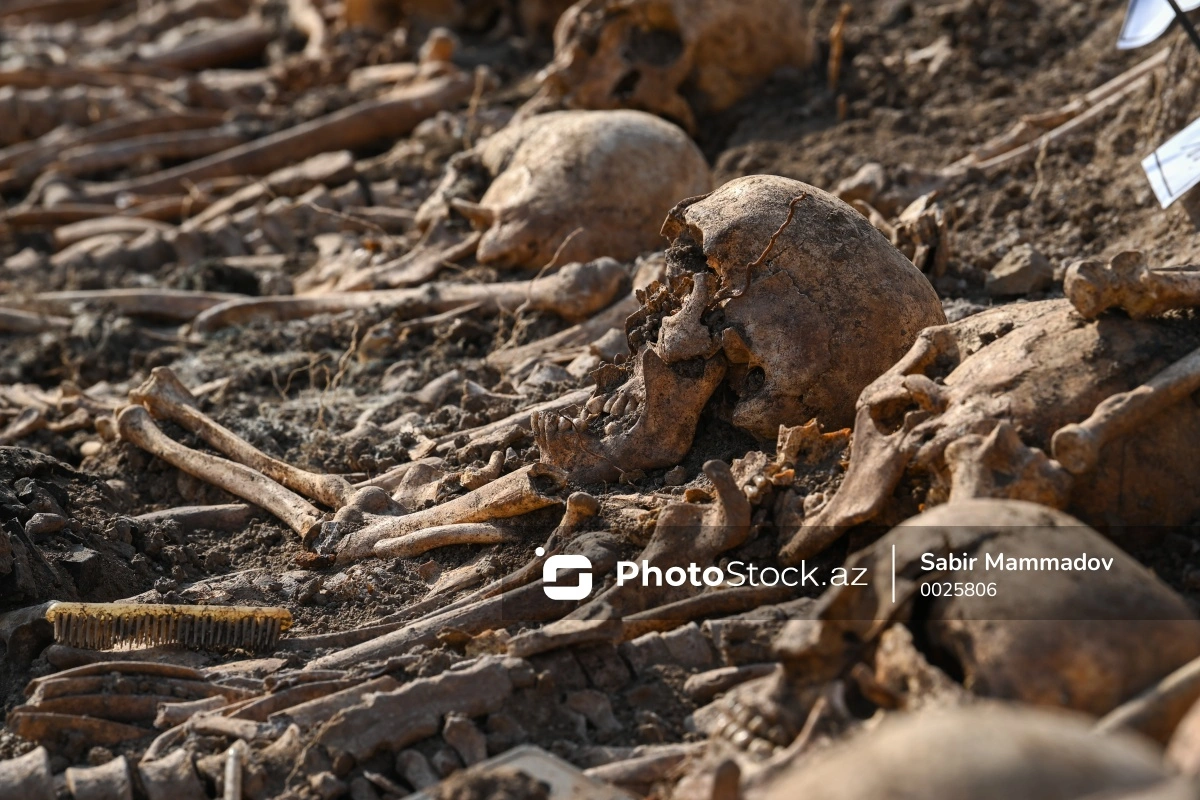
(758, 255)
(675, 58)
(974, 406)
(575, 292)
(572, 186)
(1128, 283)
(1044, 638)
(528, 489)
(954, 753)
(137, 428)
(165, 396)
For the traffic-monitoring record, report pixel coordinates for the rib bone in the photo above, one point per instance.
(167, 398)
(136, 427)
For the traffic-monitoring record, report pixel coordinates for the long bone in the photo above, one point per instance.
(1126, 282)
(1077, 446)
(167, 398)
(512, 495)
(575, 292)
(136, 427)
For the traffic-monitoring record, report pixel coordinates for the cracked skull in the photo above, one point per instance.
(772, 284)
(677, 58)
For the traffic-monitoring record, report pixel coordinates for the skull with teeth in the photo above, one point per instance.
(772, 284)
(674, 58)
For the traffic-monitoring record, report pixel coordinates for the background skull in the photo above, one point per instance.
(602, 178)
(675, 58)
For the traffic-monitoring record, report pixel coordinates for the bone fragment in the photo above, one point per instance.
(319, 710)
(574, 292)
(175, 146)
(1077, 447)
(704, 686)
(528, 603)
(414, 544)
(225, 517)
(396, 719)
(235, 757)
(510, 496)
(655, 766)
(46, 727)
(167, 398)
(171, 777)
(415, 768)
(27, 777)
(1157, 711)
(167, 304)
(1025, 137)
(389, 117)
(106, 782)
(14, 321)
(171, 714)
(466, 739)
(1126, 282)
(136, 427)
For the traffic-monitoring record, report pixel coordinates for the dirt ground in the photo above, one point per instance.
(920, 87)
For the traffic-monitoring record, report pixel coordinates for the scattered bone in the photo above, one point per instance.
(110, 781)
(1128, 283)
(227, 517)
(27, 777)
(167, 398)
(1158, 711)
(171, 777)
(390, 116)
(414, 544)
(136, 427)
(954, 753)
(1017, 365)
(515, 494)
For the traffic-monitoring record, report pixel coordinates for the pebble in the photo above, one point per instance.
(42, 523)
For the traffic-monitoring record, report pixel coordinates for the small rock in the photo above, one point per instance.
(1022, 271)
(866, 184)
(466, 739)
(42, 524)
(90, 448)
(596, 707)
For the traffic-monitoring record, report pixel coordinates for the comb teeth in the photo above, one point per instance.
(108, 626)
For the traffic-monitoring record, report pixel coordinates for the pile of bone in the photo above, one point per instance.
(808, 325)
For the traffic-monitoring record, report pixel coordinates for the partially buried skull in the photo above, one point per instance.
(773, 285)
(674, 58)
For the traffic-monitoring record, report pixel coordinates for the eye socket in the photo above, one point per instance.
(755, 378)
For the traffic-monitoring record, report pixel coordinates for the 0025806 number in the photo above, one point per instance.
(947, 589)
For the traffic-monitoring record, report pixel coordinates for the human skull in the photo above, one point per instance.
(1085, 641)
(815, 302)
(674, 58)
(983, 752)
(970, 411)
(576, 184)
(793, 290)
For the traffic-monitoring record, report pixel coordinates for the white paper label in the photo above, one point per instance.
(1175, 166)
(1146, 20)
